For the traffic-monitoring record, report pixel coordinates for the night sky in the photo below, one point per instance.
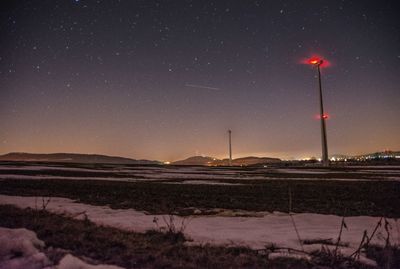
(166, 79)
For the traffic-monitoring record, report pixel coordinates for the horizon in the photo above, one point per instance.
(154, 84)
(205, 155)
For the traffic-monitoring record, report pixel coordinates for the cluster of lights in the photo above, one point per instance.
(338, 159)
(384, 155)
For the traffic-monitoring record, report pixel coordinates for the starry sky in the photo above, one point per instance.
(166, 79)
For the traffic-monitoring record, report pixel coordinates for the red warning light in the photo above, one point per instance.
(324, 116)
(316, 61)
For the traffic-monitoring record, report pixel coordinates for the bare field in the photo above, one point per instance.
(207, 217)
(350, 191)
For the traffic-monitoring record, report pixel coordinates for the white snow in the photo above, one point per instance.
(190, 178)
(381, 171)
(167, 173)
(286, 254)
(21, 249)
(203, 182)
(303, 171)
(40, 177)
(374, 166)
(58, 168)
(255, 232)
(71, 262)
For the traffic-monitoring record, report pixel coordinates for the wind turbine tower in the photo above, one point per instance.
(315, 61)
(230, 147)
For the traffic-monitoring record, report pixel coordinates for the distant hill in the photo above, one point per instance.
(245, 161)
(195, 160)
(254, 160)
(71, 158)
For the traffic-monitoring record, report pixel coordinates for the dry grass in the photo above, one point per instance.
(325, 197)
(155, 249)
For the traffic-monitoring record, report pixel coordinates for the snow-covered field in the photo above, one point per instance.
(223, 227)
(203, 182)
(255, 231)
(203, 174)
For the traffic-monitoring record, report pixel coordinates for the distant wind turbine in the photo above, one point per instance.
(230, 147)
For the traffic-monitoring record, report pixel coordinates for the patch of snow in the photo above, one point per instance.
(21, 249)
(58, 168)
(157, 178)
(333, 179)
(177, 175)
(381, 171)
(71, 262)
(255, 232)
(393, 178)
(303, 171)
(40, 177)
(287, 254)
(203, 182)
(166, 173)
(373, 166)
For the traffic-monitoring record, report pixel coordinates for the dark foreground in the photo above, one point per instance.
(343, 191)
(155, 249)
